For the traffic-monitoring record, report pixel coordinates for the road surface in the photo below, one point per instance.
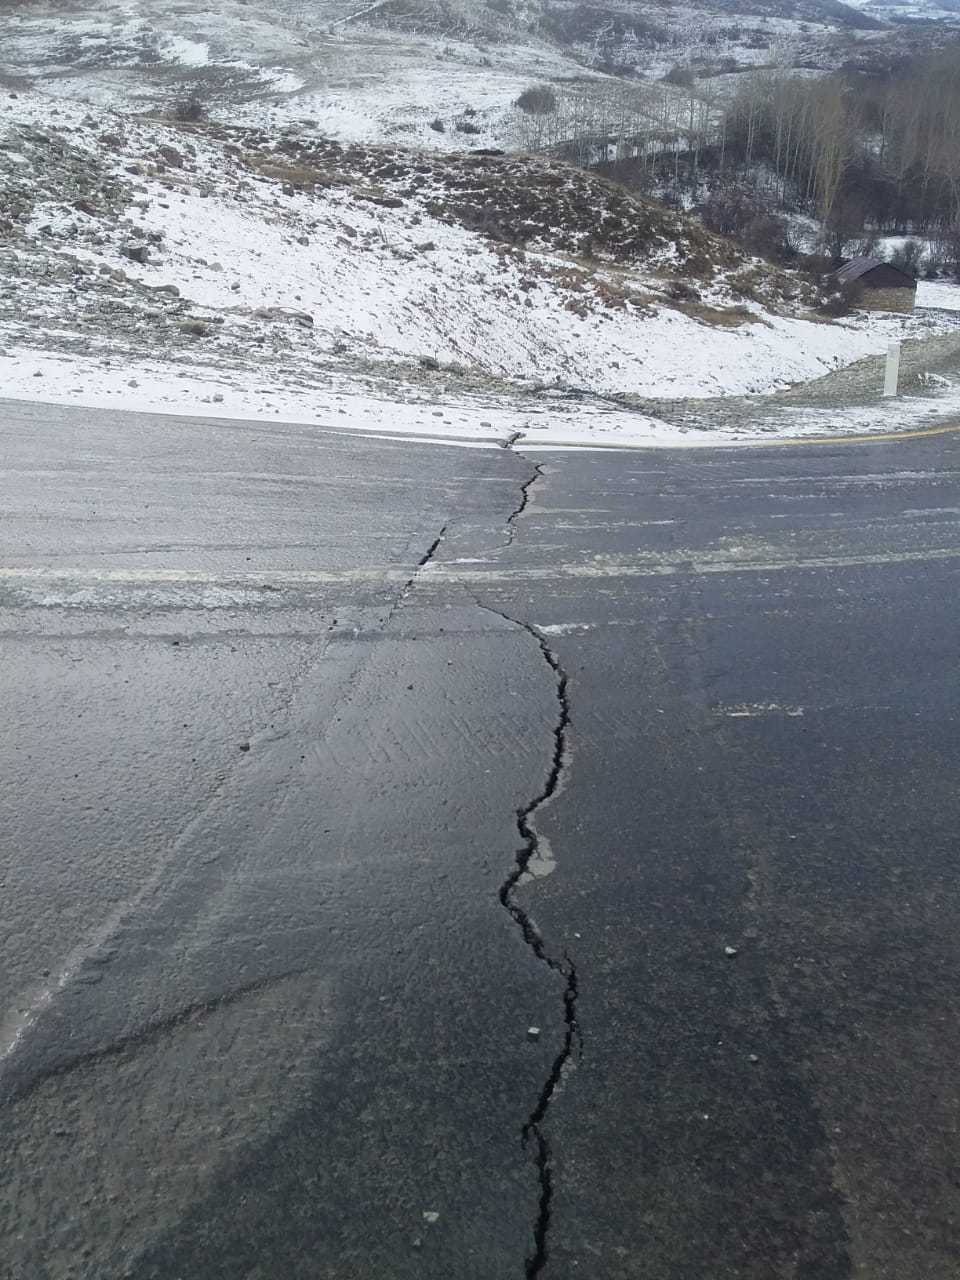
(437, 862)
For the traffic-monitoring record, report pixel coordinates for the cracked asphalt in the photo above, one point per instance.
(419, 862)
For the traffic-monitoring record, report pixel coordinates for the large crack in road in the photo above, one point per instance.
(518, 511)
(194, 903)
(533, 1132)
(530, 851)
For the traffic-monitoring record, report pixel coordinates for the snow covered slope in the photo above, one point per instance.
(391, 70)
(275, 270)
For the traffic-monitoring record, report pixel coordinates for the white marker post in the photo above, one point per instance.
(891, 378)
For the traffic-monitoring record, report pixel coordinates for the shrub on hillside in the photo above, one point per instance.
(945, 250)
(816, 265)
(680, 75)
(843, 300)
(681, 291)
(907, 257)
(767, 235)
(747, 216)
(190, 110)
(538, 100)
(729, 209)
(868, 246)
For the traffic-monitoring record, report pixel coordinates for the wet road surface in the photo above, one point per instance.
(431, 862)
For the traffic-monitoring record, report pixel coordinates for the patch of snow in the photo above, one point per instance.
(941, 295)
(189, 53)
(278, 81)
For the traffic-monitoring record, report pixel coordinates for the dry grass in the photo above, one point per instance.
(717, 317)
(297, 175)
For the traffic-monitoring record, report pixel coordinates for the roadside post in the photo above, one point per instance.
(891, 377)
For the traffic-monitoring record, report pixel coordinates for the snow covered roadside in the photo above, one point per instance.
(904, 414)
(399, 300)
(463, 422)
(152, 387)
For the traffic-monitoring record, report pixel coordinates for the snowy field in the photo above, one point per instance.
(368, 86)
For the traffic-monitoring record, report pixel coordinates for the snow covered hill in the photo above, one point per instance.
(391, 70)
(146, 262)
(277, 209)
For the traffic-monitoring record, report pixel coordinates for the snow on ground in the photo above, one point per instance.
(271, 68)
(462, 422)
(906, 413)
(447, 302)
(940, 295)
(367, 86)
(258, 300)
(151, 386)
(289, 62)
(188, 53)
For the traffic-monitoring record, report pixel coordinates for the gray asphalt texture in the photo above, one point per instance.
(330, 766)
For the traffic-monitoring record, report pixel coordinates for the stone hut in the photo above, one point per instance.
(885, 288)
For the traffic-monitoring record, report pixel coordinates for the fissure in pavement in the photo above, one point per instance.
(515, 515)
(410, 583)
(533, 1133)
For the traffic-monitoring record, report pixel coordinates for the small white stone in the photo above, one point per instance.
(431, 1216)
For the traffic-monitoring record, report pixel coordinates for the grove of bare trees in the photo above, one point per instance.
(859, 154)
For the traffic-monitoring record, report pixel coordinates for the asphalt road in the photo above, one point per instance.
(330, 767)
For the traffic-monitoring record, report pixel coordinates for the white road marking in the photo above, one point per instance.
(152, 576)
(677, 562)
(753, 710)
